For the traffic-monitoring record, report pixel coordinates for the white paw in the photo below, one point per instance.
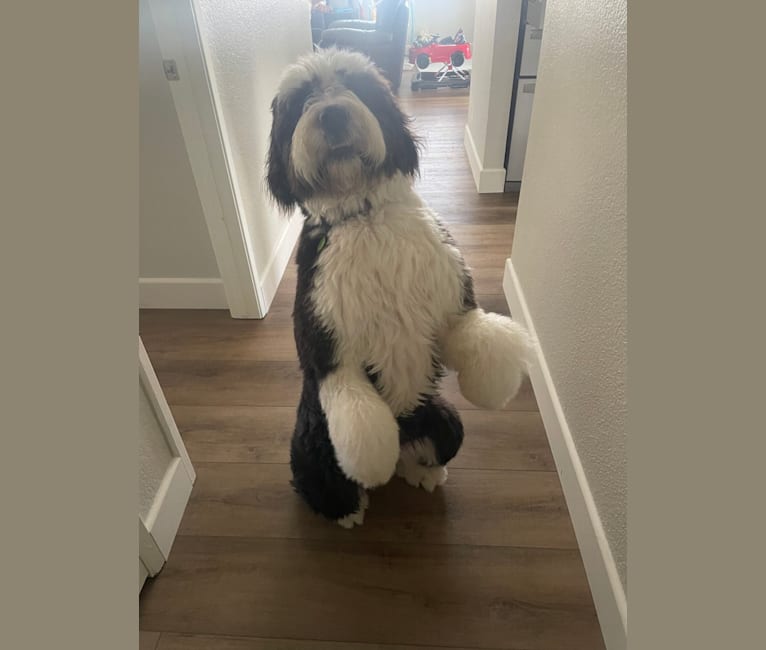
(362, 429)
(421, 475)
(356, 518)
(491, 354)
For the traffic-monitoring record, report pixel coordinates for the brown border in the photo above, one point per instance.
(69, 258)
(69, 325)
(696, 173)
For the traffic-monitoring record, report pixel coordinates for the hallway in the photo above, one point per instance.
(488, 561)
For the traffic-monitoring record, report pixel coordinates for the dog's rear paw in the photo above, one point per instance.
(356, 518)
(422, 475)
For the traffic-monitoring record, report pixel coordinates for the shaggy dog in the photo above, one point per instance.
(384, 301)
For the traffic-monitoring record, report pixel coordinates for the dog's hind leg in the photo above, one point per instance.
(430, 437)
(317, 477)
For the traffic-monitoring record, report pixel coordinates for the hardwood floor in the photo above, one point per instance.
(488, 561)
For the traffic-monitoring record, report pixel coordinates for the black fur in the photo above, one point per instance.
(468, 297)
(316, 474)
(317, 477)
(284, 186)
(315, 345)
(401, 143)
(437, 420)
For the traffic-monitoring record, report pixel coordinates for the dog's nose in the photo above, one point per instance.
(333, 120)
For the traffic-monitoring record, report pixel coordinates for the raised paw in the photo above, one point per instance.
(427, 477)
(491, 354)
(356, 518)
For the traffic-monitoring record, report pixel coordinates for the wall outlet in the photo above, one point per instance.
(171, 69)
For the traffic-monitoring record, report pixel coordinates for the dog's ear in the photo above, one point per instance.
(402, 146)
(278, 161)
(404, 151)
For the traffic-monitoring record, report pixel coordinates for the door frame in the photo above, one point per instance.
(157, 530)
(206, 139)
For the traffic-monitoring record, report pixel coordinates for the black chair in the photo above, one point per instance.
(321, 19)
(384, 40)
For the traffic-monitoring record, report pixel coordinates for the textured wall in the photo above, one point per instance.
(247, 45)
(174, 241)
(153, 454)
(570, 246)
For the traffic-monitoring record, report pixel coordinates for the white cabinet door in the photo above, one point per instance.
(165, 473)
(520, 131)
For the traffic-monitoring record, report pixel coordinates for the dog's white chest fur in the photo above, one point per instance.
(385, 285)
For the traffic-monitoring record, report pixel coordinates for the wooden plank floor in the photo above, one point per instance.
(488, 561)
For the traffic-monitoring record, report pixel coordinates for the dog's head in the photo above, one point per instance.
(337, 128)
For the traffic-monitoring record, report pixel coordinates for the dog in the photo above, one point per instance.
(384, 300)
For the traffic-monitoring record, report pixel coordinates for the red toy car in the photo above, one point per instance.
(452, 53)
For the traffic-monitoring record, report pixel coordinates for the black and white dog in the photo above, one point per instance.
(384, 300)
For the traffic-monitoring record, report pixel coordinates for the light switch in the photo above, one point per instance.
(171, 69)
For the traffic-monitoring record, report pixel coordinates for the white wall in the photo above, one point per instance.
(443, 17)
(496, 33)
(570, 246)
(247, 45)
(174, 241)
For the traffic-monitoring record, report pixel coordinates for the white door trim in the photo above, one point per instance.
(149, 381)
(149, 552)
(204, 133)
(605, 584)
(157, 530)
(143, 574)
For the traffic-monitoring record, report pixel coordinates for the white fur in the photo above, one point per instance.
(362, 428)
(491, 354)
(386, 285)
(418, 466)
(322, 69)
(310, 148)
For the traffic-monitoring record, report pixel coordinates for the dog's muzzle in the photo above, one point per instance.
(334, 122)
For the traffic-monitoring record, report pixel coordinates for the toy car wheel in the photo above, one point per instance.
(423, 61)
(457, 58)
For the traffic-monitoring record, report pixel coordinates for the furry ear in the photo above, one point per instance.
(402, 146)
(277, 164)
(404, 151)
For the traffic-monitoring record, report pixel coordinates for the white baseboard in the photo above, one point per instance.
(606, 587)
(181, 293)
(487, 180)
(169, 506)
(209, 293)
(280, 258)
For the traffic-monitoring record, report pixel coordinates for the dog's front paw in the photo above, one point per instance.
(363, 431)
(491, 354)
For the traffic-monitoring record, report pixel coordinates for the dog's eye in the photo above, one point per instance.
(310, 101)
